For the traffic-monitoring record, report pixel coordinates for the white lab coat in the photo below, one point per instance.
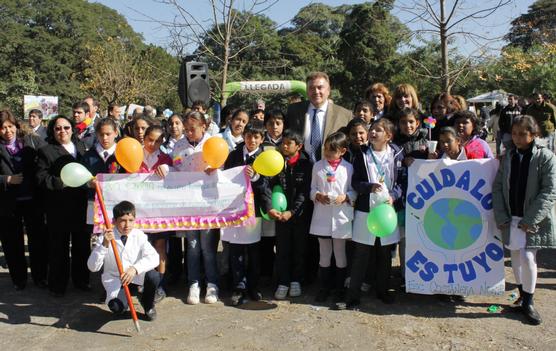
(137, 252)
(332, 220)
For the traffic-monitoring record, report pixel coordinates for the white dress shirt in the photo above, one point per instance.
(100, 151)
(71, 149)
(321, 113)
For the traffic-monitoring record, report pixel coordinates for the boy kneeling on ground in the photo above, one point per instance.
(139, 259)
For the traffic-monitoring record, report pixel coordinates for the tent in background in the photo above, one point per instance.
(490, 98)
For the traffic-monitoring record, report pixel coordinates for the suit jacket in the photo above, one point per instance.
(336, 117)
(8, 193)
(66, 207)
(41, 132)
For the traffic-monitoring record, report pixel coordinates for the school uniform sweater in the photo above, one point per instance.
(295, 179)
(96, 164)
(361, 183)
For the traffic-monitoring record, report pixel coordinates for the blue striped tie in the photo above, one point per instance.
(316, 139)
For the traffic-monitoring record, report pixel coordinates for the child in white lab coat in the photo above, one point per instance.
(333, 196)
(139, 259)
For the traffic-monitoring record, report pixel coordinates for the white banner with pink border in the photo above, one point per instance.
(180, 201)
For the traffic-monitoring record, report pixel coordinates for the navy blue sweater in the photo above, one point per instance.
(361, 183)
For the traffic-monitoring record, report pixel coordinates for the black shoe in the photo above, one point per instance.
(116, 306)
(386, 297)
(531, 314)
(20, 286)
(151, 314)
(255, 295)
(238, 297)
(159, 295)
(322, 295)
(83, 286)
(528, 309)
(352, 304)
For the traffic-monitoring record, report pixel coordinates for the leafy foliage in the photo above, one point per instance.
(45, 46)
(370, 39)
(536, 27)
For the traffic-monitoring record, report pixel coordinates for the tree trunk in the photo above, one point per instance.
(444, 49)
(226, 61)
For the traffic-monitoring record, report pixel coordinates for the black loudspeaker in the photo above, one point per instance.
(193, 83)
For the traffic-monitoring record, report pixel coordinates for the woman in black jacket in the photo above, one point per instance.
(65, 208)
(18, 203)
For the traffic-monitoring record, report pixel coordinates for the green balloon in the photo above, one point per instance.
(75, 175)
(265, 215)
(279, 202)
(277, 189)
(382, 220)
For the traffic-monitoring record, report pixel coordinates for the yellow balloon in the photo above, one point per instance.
(129, 154)
(215, 151)
(269, 163)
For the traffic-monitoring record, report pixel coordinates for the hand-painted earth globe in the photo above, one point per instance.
(453, 224)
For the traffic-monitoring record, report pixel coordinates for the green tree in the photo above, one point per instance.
(49, 38)
(14, 86)
(311, 44)
(119, 71)
(536, 27)
(523, 72)
(370, 39)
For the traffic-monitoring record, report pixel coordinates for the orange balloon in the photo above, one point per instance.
(215, 151)
(129, 154)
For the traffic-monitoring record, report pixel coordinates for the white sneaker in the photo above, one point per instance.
(295, 289)
(212, 294)
(194, 292)
(281, 292)
(365, 287)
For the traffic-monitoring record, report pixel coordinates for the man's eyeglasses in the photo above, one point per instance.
(60, 128)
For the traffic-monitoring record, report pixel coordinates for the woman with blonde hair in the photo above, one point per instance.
(405, 96)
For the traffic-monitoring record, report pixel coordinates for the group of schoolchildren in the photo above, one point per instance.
(363, 165)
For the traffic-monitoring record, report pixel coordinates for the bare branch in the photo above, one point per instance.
(484, 13)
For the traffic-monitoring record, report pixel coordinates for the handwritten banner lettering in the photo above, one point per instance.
(180, 201)
(451, 247)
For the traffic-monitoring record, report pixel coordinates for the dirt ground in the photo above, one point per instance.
(32, 320)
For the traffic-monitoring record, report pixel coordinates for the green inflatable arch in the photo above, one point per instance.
(266, 86)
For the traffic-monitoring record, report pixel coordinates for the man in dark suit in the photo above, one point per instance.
(35, 122)
(317, 118)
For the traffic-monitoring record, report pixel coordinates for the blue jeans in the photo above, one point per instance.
(202, 245)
